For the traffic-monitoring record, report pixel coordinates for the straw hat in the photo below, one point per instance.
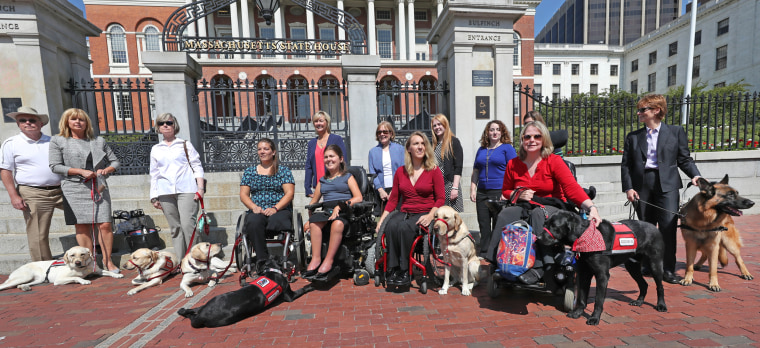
(25, 110)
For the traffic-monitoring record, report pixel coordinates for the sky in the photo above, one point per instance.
(544, 11)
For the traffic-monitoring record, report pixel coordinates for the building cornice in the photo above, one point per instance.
(153, 3)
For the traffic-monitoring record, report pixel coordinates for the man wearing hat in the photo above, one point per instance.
(31, 185)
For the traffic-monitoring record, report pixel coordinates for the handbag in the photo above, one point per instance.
(187, 155)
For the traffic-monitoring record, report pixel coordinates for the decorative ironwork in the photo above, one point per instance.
(175, 38)
(124, 110)
(235, 114)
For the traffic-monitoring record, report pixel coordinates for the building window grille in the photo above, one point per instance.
(721, 57)
(556, 69)
(695, 67)
(613, 70)
(575, 69)
(635, 65)
(537, 88)
(594, 69)
(385, 43)
(723, 27)
(635, 86)
(698, 37)
(383, 15)
(671, 75)
(652, 57)
(673, 49)
(538, 69)
(594, 89)
(555, 92)
(651, 82)
(118, 45)
(420, 16)
(574, 89)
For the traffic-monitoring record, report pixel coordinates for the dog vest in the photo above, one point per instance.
(56, 263)
(269, 287)
(625, 241)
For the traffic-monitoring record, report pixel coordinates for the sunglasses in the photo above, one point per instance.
(534, 136)
(168, 123)
(383, 132)
(25, 120)
(643, 110)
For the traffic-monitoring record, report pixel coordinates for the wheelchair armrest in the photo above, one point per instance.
(312, 207)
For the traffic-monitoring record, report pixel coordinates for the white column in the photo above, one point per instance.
(401, 37)
(412, 31)
(235, 22)
(202, 31)
(341, 32)
(310, 30)
(190, 28)
(657, 17)
(439, 7)
(246, 19)
(371, 30)
(279, 25)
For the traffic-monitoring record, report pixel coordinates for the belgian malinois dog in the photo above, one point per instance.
(707, 226)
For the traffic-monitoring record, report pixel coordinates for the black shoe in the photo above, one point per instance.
(309, 273)
(671, 277)
(403, 279)
(323, 277)
(532, 276)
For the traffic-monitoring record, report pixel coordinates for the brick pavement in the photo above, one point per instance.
(102, 314)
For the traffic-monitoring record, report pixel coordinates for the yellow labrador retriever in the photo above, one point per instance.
(152, 267)
(460, 251)
(77, 263)
(201, 265)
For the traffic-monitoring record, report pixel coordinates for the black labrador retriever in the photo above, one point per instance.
(229, 308)
(638, 242)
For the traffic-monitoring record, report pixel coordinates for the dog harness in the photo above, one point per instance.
(625, 241)
(56, 263)
(167, 268)
(591, 240)
(268, 287)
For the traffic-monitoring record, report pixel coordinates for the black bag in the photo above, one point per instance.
(145, 238)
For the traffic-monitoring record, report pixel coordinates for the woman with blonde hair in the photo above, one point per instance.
(176, 182)
(384, 160)
(418, 185)
(315, 153)
(449, 157)
(84, 161)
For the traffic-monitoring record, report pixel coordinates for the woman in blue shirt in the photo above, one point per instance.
(267, 191)
(384, 160)
(488, 176)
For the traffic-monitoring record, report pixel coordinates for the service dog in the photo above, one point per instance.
(201, 265)
(271, 286)
(77, 263)
(152, 267)
(459, 254)
(707, 225)
(643, 241)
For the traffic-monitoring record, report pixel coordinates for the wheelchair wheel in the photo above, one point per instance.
(436, 269)
(492, 286)
(369, 263)
(300, 251)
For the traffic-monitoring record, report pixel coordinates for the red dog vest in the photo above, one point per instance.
(625, 241)
(269, 287)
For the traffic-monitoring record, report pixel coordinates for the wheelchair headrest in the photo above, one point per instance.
(559, 138)
(360, 175)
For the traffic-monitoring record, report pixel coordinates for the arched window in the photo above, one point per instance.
(298, 99)
(330, 97)
(117, 44)
(388, 100)
(516, 54)
(265, 96)
(428, 97)
(223, 104)
(152, 39)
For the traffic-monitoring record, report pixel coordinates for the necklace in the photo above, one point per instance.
(489, 151)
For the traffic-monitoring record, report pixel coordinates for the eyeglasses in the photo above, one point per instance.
(643, 110)
(168, 123)
(25, 120)
(534, 136)
(383, 132)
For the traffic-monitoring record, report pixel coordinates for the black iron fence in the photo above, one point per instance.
(409, 106)
(235, 114)
(597, 125)
(124, 110)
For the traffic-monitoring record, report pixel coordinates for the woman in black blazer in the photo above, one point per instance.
(649, 172)
(448, 155)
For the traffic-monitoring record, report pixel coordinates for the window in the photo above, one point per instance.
(152, 39)
(695, 67)
(298, 33)
(537, 69)
(267, 33)
(594, 69)
(635, 86)
(299, 98)
(721, 57)
(556, 69)
(613, 88)
(613, 70)
(384, 43)
(575, 69)
(594, 89)
(537, 88)
(673, 49)
(723, 27)
(555, 92)
(118, 45)
(635, 65)
(652, 57)
(421, 48)
(420, 16)
(122, 103)
(698, 37)
(329, 35)
(574, 89)
(719, 85)
(383, 15)
(516, 54)
(671, 75)
(652, 82)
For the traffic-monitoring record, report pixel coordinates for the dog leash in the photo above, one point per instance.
(445, 248)
(206, 224)
(232, 258)
(96, 197)
(635, 206)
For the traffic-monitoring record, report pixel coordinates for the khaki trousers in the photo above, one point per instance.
(41, 204)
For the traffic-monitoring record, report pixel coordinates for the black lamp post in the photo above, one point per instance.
(267, 8)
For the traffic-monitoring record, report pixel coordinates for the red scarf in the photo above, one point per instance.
(591, 240)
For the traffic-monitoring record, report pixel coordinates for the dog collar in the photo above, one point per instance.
(550, 233)
(720, 228)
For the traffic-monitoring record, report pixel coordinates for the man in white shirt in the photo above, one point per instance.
(31, 185)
